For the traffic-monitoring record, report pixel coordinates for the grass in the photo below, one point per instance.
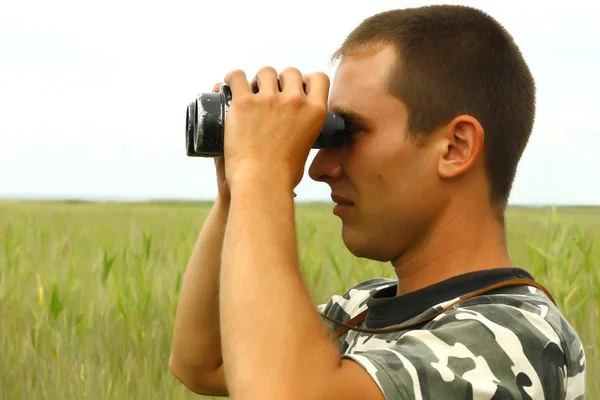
(88, 291)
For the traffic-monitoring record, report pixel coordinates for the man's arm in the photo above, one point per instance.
(196, 351)
(274, 344)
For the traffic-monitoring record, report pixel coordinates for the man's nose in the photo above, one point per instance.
(326, 165)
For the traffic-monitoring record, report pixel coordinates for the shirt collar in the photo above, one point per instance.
(386, 309)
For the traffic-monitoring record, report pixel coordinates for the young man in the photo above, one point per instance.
(442, 106)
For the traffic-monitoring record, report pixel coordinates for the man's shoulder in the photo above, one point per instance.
(525, 317)
(515, 336)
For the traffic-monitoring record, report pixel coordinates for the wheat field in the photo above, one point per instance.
(88, 291)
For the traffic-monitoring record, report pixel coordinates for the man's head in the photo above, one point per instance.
(448, 105)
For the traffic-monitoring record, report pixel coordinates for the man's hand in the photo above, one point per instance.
(270, 133)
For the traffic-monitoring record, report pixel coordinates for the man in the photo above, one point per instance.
(441, 104)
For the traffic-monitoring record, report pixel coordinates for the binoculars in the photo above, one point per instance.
(205, 119)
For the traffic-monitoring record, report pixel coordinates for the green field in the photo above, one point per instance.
(88, 291)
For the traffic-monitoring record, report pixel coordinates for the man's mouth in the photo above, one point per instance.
(341, 200)
(343, 205)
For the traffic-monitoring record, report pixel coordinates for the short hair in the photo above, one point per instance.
(457, 60)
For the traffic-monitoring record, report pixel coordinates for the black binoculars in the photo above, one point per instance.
(205, 119)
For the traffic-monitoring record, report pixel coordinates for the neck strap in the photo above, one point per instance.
(351, 325)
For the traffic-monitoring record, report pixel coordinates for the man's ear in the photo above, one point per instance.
(462, 142)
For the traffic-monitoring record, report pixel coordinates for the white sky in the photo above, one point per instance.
(93, 95)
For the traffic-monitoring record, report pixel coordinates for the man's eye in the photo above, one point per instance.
(351, 129)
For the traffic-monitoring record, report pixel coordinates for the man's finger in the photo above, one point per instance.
(265, 81)
(238, 82)
(317, 86)
(290, 81)
(217, 87)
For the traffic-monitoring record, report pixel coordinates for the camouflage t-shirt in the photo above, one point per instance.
(512, 343)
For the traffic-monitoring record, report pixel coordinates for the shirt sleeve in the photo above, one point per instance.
(489, 351)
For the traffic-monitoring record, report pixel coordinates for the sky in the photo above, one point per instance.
(93, 94)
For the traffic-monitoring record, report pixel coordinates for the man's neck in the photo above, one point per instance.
(462, 242)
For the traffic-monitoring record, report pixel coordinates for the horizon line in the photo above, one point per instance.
(76, 199)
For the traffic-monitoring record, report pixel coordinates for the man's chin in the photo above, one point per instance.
(354, 241)
(360, 246)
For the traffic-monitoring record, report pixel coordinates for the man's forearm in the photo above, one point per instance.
(196, 348)
(273, 340)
